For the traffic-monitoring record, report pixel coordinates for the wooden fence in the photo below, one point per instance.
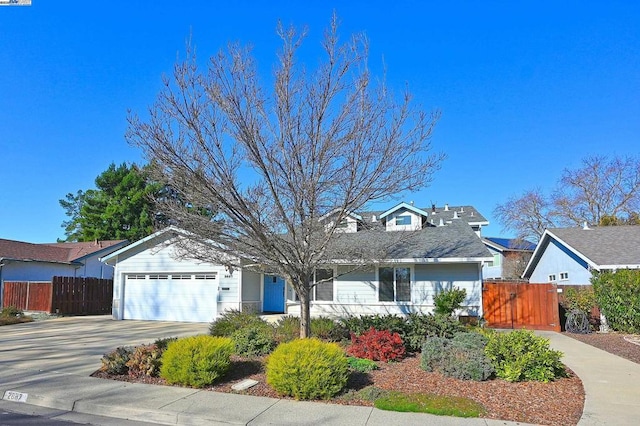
(515, 304)
(63, 295)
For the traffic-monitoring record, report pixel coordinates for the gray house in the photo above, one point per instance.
(568, 255)
(443, 250)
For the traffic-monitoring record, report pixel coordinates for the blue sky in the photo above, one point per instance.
(526, 89)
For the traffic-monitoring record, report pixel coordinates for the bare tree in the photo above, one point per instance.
(602, 191)
(529, 215)
(271, 162)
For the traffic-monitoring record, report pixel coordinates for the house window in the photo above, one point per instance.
(323, 290)
(403, 220)
(564, 275)
(395, 284)
(552, 277)
(497, 260)
(344, 223)
(136, 276)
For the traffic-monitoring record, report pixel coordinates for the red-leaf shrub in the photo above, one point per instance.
(377, 345)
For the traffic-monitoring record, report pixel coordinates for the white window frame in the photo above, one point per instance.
(315, 287)
(395, 283)
(552, 278)
(566, 276)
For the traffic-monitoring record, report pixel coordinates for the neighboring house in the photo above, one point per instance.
(21, 261)
(153, 282)
(569, 255)
(510, 257)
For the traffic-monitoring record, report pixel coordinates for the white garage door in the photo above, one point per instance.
(171, 297)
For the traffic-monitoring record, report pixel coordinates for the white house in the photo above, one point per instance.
(153, 282)
(569, 255)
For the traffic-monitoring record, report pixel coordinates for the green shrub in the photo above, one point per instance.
(583, 299)
(434, 350)
(145, 361)
(327, 329)
(442, 405)
(377, 345)
(520, 355)
(11, 312)
(232, 321)
(115, 362)
(359, 325)
(287, 329)
(307, 369)
(447, 301)
(462, 357)
(618, 296)
(254, 340)
(421, 326)
(164, 342)
(196, 361)
(361, 365)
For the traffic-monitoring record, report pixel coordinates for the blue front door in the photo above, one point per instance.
(273, 294)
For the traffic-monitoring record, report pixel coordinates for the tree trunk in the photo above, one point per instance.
(305, 312)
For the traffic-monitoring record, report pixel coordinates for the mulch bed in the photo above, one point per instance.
(615, 343)
(556, 403)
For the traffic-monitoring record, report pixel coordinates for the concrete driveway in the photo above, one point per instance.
(74, 345)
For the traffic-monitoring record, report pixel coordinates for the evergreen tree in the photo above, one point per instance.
(121, 206)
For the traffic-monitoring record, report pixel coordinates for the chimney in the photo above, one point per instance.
(446, 207)
(585, 226)
(455, 215)
(411, 202)
(373, 218)
(471, 214)
(461, 209)
(441, 222)
(433, 208)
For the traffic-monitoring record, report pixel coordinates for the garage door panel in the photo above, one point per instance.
(193, 300)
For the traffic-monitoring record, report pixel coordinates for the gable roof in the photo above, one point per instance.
(401, 206)
(604, 247)
(509, 244)
(433, 214)
(112, 257)
(451, 243)
(53, 252)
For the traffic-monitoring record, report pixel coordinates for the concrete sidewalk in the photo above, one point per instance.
(41, 360)
(611, 383)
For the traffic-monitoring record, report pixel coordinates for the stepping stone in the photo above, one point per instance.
(244, 385)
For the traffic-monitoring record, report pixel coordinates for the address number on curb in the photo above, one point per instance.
(15, 396)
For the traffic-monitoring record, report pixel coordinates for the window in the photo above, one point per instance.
(158, 276)
(344, 223)
(324, 290)
(552, 277)
(181, 276)
(205, 276)
(395, 284)
(497, 258)
(403, 220)
(136, 276)
(564, 275)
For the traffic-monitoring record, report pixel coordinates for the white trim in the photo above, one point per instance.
(336, 210)
(415, 260)
(546, 238)
(395, 290)
(406, 206)
(115, 254)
